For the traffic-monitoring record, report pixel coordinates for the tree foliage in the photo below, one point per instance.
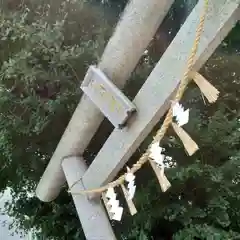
(41, 69)
(44, 55)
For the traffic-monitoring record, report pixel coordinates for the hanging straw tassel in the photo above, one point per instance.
(105, 201)
(130, 203)
(190, 146)
(162, 179)
(209, 91)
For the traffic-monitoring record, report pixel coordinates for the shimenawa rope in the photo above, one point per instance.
(168, 119)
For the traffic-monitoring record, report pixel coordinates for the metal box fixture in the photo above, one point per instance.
(107, 97)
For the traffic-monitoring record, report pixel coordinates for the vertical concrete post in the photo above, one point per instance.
(92, 214)
(131, 37)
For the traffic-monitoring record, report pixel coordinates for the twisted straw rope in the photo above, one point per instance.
(168, 119)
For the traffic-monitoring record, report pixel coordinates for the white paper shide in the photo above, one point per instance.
(182, 117)
(115, 209)
(130, 178)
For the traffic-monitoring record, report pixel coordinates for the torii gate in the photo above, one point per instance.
(131, 37)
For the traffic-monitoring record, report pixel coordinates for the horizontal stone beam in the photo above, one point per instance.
(130, 39)
(153, 99)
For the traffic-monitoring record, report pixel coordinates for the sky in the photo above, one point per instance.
(5, 233)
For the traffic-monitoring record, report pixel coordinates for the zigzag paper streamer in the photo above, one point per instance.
(130, 178)
(182, 117)
(114, 203)
(158, 166)
(156, 154)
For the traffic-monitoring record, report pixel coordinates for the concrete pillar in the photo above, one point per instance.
(131, 37)
(92, 215)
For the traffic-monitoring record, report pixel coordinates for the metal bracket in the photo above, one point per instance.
(107, 97)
